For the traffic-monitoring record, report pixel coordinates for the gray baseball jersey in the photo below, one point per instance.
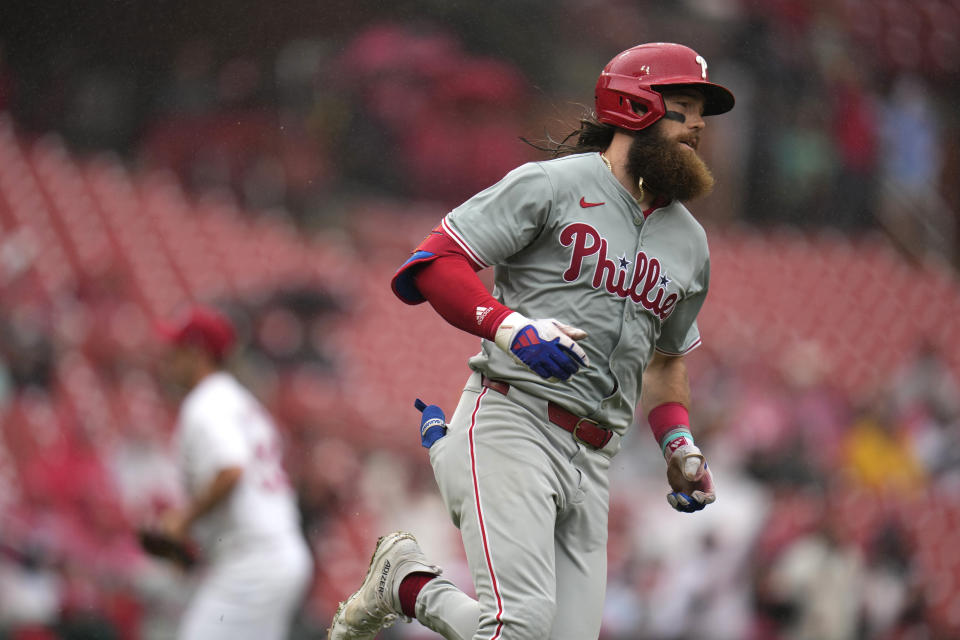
(567, 241)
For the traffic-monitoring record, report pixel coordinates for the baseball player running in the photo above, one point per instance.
(599, 273)
(242, 512)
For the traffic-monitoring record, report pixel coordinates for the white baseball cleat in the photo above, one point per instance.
(376, 604)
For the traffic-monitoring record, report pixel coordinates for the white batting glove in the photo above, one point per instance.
(547, 347)
(690, 478)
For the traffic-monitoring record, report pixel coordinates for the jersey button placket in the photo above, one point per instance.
(637, 213)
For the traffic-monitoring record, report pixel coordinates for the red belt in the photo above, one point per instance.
(587, 431)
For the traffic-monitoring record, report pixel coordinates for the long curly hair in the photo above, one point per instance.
(591, 135)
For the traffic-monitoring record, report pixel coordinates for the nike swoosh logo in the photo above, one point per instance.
(585, 204)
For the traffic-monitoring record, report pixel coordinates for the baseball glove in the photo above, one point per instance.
(160, 545)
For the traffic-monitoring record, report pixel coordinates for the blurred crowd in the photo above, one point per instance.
(835, 508)
(844, 114)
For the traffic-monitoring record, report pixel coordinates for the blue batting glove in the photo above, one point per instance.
(547, 347)
(682, 502)
(433, 424)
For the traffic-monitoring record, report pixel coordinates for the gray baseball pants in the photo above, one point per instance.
(531, 504)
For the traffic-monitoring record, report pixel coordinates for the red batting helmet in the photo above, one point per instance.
(628, 88)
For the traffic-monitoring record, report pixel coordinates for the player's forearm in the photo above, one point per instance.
(454, 290)
(665, 380)
(216, 492)
(666, 399)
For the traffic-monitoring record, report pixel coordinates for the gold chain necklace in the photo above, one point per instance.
(639, 181)
(606, 162)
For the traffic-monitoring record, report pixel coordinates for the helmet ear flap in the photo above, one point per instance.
(620, 101)
(626, 103)
(637, 107)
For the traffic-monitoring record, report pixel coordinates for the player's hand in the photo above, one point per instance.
(547, 347)
(173, 525)
(691, 480)
(433, 424)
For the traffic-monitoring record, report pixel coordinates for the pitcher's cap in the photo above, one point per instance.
(202, 327)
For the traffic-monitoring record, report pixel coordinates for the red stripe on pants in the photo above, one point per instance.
(483, 530)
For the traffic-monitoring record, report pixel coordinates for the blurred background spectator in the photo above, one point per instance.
(281, 159)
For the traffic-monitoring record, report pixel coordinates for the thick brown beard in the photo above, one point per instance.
(666, 168)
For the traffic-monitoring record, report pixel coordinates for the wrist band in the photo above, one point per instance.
(670, 423)
(675, 439)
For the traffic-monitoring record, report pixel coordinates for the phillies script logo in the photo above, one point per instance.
(647, 285)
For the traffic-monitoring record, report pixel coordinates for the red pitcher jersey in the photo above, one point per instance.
(568, 241)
